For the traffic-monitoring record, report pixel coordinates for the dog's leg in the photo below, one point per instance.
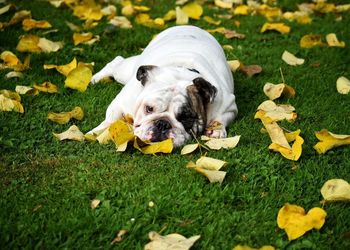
(217, 127)
(121, 69)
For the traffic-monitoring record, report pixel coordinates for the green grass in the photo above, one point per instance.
(46, 186)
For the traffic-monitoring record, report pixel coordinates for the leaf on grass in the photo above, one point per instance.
(309, 41)
(29, 43)
(121, 132)
(9, 58)
(329, 140)
(120, 236)
(242, 10)
(88, 10)
(170, 241)
(189, 148)
(343, 85)
(212, 175)
(234, 65)
(181, 17)
(94, 203)
(104, 136)
(73, 133)
(47, 87)
(210, 163)
(169, 16)
(121, 22)
(219, 143)
(274, 91)
(333, 41)
(250, 70)
(48, 46)
(245, 247)
(79, 78)
(290, 154)
(296, 223)
(6, 8)
(278, 112)
(193, 10)
(63, 69)
(79, 38)
(280, 27)
(19, 17)
(14, 74)
(29, 24)
(291, 59)
(146, 20)
(9, 103)
(225, 4)
(336, 190)
(23, 90)
(165, 147)
(64, 117)
(211, 20)
(227, 33)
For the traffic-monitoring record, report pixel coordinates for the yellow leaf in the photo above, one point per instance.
(324, 7)
(336, 190)
(309, 41)
(209, 163)
(19, 17)
(64, 117)
(343, 85)
(14, 74)
(296, 223)
(274, 91)
(211, 20)
(292, 136)
(29, 24)
(121, 132)
(79, 78)
(224, 4)
(63, 69)
(22, 90)
(280, 27)
(219, 143)
(291, 154)
(187, 149)
(170, 15)
(181, 17)
(48, 46)
(234, 65)
(242, 10)
(94, 203)
(333, 41)
(73, 133)
(79, 38)
(278, 112)
(10, 94)
(46, 87)
(6, 8)
(165, 146)
(291, 59)
(29, 43)
(244, 247)
(193, 10)
(9, 58)
(104, 136)
(121, 21)
(88, 10)
(212, 175)
(146, 20)
(170, 241)
(270, 13)
(329, 140)
(8, 104)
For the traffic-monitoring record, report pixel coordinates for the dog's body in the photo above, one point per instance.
(179, 86)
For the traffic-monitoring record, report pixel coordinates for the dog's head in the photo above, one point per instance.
(173, 103)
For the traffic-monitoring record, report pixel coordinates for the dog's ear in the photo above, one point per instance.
(143, 73)
(205, 89)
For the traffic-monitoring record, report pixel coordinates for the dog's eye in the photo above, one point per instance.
(148, 109)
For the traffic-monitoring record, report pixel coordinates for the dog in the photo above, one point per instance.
(179, 86)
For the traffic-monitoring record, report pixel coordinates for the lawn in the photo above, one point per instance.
(47, 185)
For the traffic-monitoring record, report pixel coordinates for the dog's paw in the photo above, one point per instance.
(96, 78)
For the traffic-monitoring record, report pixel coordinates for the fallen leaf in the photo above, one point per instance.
(47, 87)
(274, 91)
(121, 22)
(29, 24)
(250, 70)
(271, 13)
(165, 147)
(280, 27)
(73, 133)
(290, 154)
(329, 140)
(193, 10)
(119, 237)
(9, 58)
(22, 90)
(48, 46)
(227, 33)
(121, 132)
(88, 10)
(146, 20)
(94, 203)
(64, 117)
(79, 78)
(245, 247)
(212, 175)
(343, 85)
(189, 148)
(29, 43)
(278, 112)
(104, 136)
(63, 69)
(291, 59)
(309, 41)
(296, 223)
(225, 4)
(336, 190)
(211, 20)
(234, 65)
(9, 104)
(19, 17)
(181, 17)
(14, 74)
(242, 10)
(79, 38)
(10, 94)
(219, 143)
(209, 163)
(170, 15)
(6, 8)
(170, 241)
(333, 41)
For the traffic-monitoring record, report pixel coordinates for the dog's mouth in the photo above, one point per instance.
(158, 130)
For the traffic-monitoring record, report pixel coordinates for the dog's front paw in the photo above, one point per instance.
(216, 130)
(96, 78)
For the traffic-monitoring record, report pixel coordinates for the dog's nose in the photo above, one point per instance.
(162, 125)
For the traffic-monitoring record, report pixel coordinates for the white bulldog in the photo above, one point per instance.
(178, 87)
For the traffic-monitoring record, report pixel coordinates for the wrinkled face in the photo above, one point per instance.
(164, 109)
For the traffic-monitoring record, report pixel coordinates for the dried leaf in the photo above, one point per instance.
(119, 237)
(19, 17)
(242, 10)
(296, 223)
(309, 41)
(291, 59)
(104, 137)
(48, 46)
(278, 112)
(193, 10)
(329, 140)
(88, 10)
(146, 20)
(343, 85)
(274, 91)
(63, 69)
(29, 43)
(291, 154)
(165, 147)
(212, 175)
(14, 74)
(234, 65)
(209, 163)
(250, 70)
(189, 148)
(79, 38)
(181, 17)
(219, 143)
(64, 117)
(211, 20)
(73, 133)
(9, 59)
(245, 247)
(22, 90)
(121, 132)
(94, 203)
(79, 78)
(121, 22)
(29, 24)
(6, 8)
(170, 15)
(47, 87)
(225, 4)
(280, 27)
(9, 104)
(170, 241)
(333, 41)
(336, 190)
